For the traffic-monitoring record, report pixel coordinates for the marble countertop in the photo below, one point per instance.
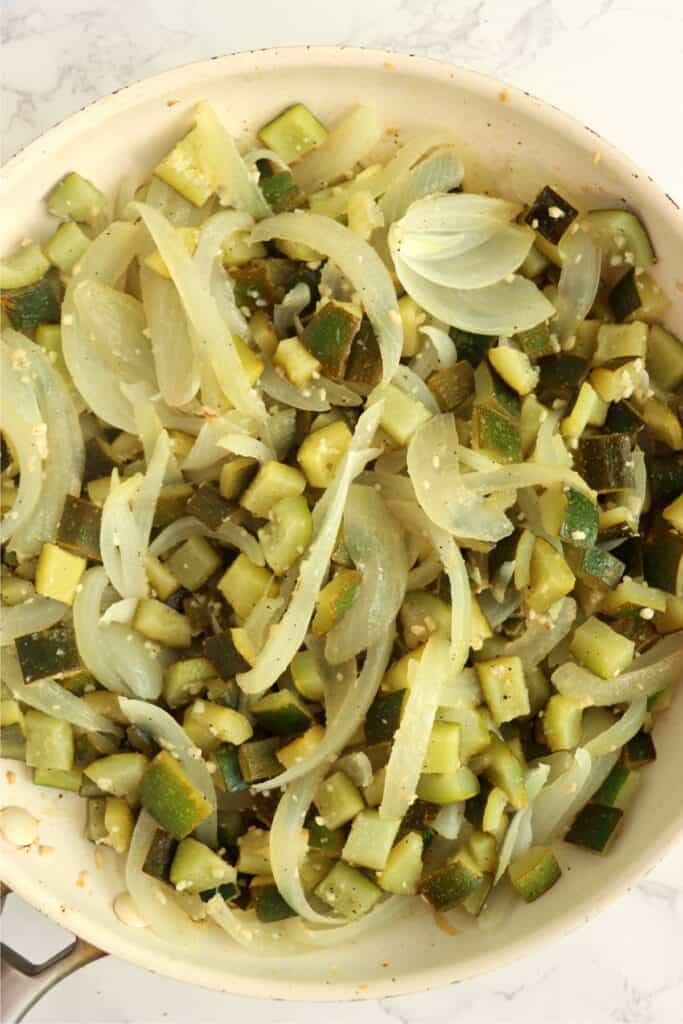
(615, 64)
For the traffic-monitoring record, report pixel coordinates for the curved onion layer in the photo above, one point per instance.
(347, 144)
(176, 368)
(208, 260)
(264, 613)
(216, 346)
(206, 450)
(114, 324)
(172, 737)
(223, 166)
(388, 912)
(344, 716)
(460, 212)
(410, 382)
(242, 444)
(538, 639)
(105, 261)
(441, 171)
(481, 266)
(246, 930)
(32, 616)
(518, 837)
(528, 475)
(504, 308)
(227, 533)
(443, 344)
(550, 448)
(51, 454)
(375, 544)
(52, 699)
(426, 572)
(555, 802)
(410, 742)
(449, 820)
(624, 729)
(286, 638)
(286, 313)
(653, 671)
(280, 390)
(359, 262)
(579, 281)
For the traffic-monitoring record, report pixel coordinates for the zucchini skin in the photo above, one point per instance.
(595, 827)
(550, 214)
(35, 304)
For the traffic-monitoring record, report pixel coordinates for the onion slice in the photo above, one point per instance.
(659, 667)
(223, 166)
(33, 616)
(624, 729)
(579, 281)
(346, 145)
(441, 171)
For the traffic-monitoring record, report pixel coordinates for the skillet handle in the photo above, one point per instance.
(23, 983)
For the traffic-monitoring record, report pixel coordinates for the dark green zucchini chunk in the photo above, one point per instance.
(208, 506)
(262, 282)
(496, 434)
(624, 297)
(580, 523)
(227, 891)
(453, 883)
(665, 473)
(160, 855)
(50, 654)
(550, 215)
(599, 568)
(171, 504)
(631, 554)
(228, 762)
(623, 419)
(12, 742)
(324, 840)
(605, 461)
(281, 713)
(224, 656)
(560, 377)
(595, 827)
(618, 787)
(491, 390)
(329, 335)
(663, 560)
(141, 741)
(536, 342)
(38, 303)
(384, 715)
(269, 904)
(257, 759)
(99, 461)
(640, 750)
(280, 191)
(419, 818)
(452, 386)
(469, 346)
(364, 365)
(79, 528)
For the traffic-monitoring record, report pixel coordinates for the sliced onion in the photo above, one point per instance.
(280, 389)
(286, 638)
(286, 312)
(347, 144)
(209, 262)
(539, 638)
(172, 737)
(410, 742)
(246, 930)
(359, 262)
(463, 211)
(650, 672)
(441, 171)
(375, 544)
(215, 339)
(22, 425)
(504, 308)
(358, 767)
(556, 801)
(426, 572)
(338, 394)
(344, 718)
(52, 699)
(176, 368)
(33, 616)
(227, 533)
(114, 324)
(479, 267)
(518, 837)
(409, 381)
(388, 912)
(549, 449)
(526, 475)
(443, 344)
(449, 820)
(206, 450)
(579, 281)
(264, 613)
(624, 729)
(223, 166)
(242, 444)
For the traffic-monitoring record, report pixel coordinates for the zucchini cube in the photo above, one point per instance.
(194, 562)
(293, 133)
(370, 840)
(162, 624)
(51, 653)
(58, 573)
(348, 892)
(403, 869)
(273, 481)
(453, 883)
(338, 800)
(322, 451)
(595, 827)
(196, 868)
(281, 713)
(300, 748)
(170, 797)
(600, 649)
(49, 742)
(402, 414)
(334, 600)
(502, 682)
(443, 749)
(534, 873)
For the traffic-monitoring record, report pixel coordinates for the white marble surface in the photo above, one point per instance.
(615, 64)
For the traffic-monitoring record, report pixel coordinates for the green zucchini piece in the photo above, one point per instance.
(537, 341)
(595, 827)
(515, 368)
(118, 823)
(171, 799)
(186, 679)
(119, 775)
(269, 904)
(207, 505)
(227, 759)
(483, 848)
(384, 716)
(158, 622)
(403, 869)
(12, 742)
(622, 418)
(223, 691)
(171, 504)
(209, 725)
(618, 233)
(334, 600)
(640, 751)
(70, 781)
(370, 840)
(160, 855)
(641, 632)
(348, 892)
(162, 581)
(419, 818)
(236, 475)
(496, 435)
(281, 713)
(550, 215)
(504, 688)
(75, 198)
(38, 303)
(550, 577)
(637, 296)
(244, 584)
(288, 534)
(534, 873)
(618, 788)
(605, 461)
(452, 386)
(95, 828)
(443, 749)
(262, 283)
(25, 267)
(492, 391)
(58, 573)
(329, 335)
(453, 883)
(535, 263)
(224, 656)
(49, 654)
(306, 676)
(280, 191)
(560, 377)
(600, 649)
(293, 133)
(182, 170)
(599, 568)
(616, 522)
(364, 364)
(621, 341)
(665, 474)
(329, 841)
(141, 741)
(49, 742)
(448, 787)
(504, 770)
(562, 719)
(580, 522)
(338, 800)
(664, 358)
(79, 528)
(99, 461)
(257, 760)
(630, 597)
(194, 562)
(254, 852)
(588, 409)
(196, 868)
(401, 416)
(472, 347)
(663, 560)
(67, 246)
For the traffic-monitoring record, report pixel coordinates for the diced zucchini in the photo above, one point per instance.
(244, 584)
(504, 688)
(263, 282)
(269, 904)
(12, 743)
(273, 481)
(293, 133)
(421, 615)
(492, 392)
(118, 824)
(663, 560)
(186, 679)
(562, 719)
(494, 811)
(621, 235)
(595, 827)
(236, 476)
(254, 852)
(338, 801)
(288, 534)
(209, 725)
(58, 573)
(36, 304)
(194, 562)
(171, 799)
(605, 461)
(299, 749)
(537, 341)
(281, 713)
(98, 490)
(469, 346)
(550, 577)
(588, 410)
(515, 368)
(453, 883)
(637, 296)
(483, 849)
(182, 170)
(640, 750)
(364, 366)
(621, 341)
(623, 418)
(70, 781)
(321, 453)
(664, 358)
(348, 892)
(334, 600)
(67, 246)
(452, 386)
(306, 676)
(298, 362)
(160, 855)
(496, 435)
(79, 528)
(161, 579)
(280, 191)
(75, 198)
(600, 649)
(619, 787)
(579, 521)
(550, 215)
(207, 505)
(370, 840)
(49, 742)
(401, 874)
(534, 872)
(119, 775)
(227, 759)
(196, 868)
(158, 622)
(662, 422)
(530, 420)
(505, 771)
(560, 377)
(443, 749)
(95, 829)
(448, 788)
(224, 656)
(630, 597)
(107, 704)
(384, 716)
(252, 364)
(26, 266)
(325, 840)
(171, 503)
(402, 414)
(616, 522)
(258, 761)
(329, 335)
(51, 653)
(397, 677)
